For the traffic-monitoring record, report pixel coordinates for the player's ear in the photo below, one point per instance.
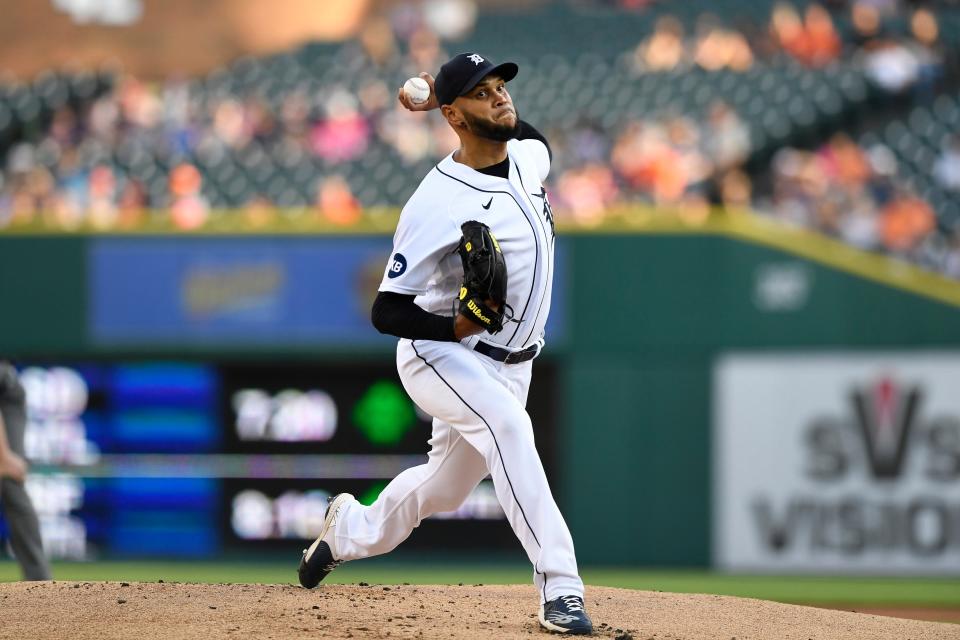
(453, 116)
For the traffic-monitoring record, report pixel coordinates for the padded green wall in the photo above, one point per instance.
(647, 315)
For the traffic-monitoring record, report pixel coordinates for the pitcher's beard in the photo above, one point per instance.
(492, 130)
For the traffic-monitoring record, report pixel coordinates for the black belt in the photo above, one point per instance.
(507, 357)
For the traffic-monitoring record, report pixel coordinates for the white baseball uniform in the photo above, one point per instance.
(480, 422)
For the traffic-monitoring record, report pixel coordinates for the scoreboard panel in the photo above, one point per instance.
(195, 459)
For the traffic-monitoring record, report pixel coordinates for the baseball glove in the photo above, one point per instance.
(484, 278)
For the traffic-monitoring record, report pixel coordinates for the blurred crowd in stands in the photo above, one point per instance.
(144, 150)
(910, 59)
(674, 161)
(852, 193)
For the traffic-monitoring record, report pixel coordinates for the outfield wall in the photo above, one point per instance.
(645, 320)
(653, 317)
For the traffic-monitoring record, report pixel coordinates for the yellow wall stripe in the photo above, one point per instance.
(744, 226)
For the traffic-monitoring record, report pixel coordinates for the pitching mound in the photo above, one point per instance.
(141, 611)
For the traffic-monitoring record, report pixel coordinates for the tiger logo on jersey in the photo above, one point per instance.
(547, 209)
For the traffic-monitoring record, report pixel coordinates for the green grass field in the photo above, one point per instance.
(912, 592)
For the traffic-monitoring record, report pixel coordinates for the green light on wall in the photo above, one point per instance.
(384, 414)
(370, 496)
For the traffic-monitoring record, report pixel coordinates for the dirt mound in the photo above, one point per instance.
(122, 610)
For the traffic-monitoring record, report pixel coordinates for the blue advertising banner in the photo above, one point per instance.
(238, 291)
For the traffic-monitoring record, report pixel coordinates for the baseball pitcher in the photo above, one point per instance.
(467, 290)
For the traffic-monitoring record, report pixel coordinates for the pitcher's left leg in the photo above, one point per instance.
(452, 472)
(351, 530)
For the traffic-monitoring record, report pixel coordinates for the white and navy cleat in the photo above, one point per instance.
(318, 559)
(566, 614)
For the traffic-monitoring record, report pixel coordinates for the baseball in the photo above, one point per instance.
(417, 90)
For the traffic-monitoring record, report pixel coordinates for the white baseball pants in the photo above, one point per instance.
(480, 426)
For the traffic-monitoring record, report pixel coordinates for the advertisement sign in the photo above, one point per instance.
(845, 463)
(234, 291)
(246, 291)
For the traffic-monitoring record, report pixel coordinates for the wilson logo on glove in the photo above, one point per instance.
(478, 312)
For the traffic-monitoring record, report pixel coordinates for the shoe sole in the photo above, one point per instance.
(332, 509)
(549, 626)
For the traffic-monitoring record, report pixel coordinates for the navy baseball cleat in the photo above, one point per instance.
(566, 615)
(318, 560)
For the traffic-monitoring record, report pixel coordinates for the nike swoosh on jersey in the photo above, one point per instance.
(487, 206)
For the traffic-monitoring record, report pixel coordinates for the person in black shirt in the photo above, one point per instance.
(21, 517)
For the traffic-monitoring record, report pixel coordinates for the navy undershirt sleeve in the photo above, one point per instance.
(398, 315)
(527, 131)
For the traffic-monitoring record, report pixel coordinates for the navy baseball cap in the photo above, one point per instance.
(463, 72)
